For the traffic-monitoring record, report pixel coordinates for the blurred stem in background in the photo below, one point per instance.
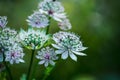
(47, 72)
(7, 68)
(30, 66)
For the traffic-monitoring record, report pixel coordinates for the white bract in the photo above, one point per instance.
(3, 21)
(68, 44)
(37, 19)
(47, 56)
(33, 39)
(52, 8)
(14, 54)
(65, 24)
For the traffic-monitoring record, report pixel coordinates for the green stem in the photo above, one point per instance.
(30, 66)
(47, 72)
(48, 27)
(7, 68)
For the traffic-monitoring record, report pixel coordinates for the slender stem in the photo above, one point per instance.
(7, 68)
(44, 78)
(47, 72)
(30, 66)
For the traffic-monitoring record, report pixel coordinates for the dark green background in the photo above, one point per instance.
(98, 24)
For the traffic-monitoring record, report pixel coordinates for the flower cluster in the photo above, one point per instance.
(52, 8)
(38, 20)
(14, 54)
(47, 56)
(33, 39)
(9, 45)
(37, 37)
(68, 44)
(48, 9)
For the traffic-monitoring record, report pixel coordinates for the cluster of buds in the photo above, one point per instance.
(33, 39)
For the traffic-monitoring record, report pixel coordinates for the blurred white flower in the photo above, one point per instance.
(47, 56)
(68, 44)
(37, 19)
(3, 21)
(65, 25)
(14, 54)
(33, 39)
(52, 8)
(7, 37)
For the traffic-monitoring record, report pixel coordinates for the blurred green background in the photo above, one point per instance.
(98, 24)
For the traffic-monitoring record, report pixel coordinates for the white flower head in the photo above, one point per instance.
(68, 44)
(33, 39)
(3, 21)
(37, 19)
(47, 56)
(7, 38)
(14, 54)
(65, 24)
(52, 8)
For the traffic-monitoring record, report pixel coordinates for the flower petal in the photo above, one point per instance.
(73, 57)
(41, 62)
(46, 64)
(59, 51)
(52, 63)
(65, 55)
(79, 53)
(21, 60)
(56, 46)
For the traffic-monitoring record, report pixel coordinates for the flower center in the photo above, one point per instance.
(37, 23)
(47, 56)
(13, 55)
(50, 12)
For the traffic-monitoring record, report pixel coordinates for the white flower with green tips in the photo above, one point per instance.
(14, 54)
(68, 44)
(52, 8)
(33, 39)
(37, 19)
(3, 21)
(7, 38)
(47, 56)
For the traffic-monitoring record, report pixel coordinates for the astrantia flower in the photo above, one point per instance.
(52, 8)
(65, 24)
(7, 38)
(14, 54)
(68, 44)
(3, 21)
(47, 56)
(33, 39)
(38, 20)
